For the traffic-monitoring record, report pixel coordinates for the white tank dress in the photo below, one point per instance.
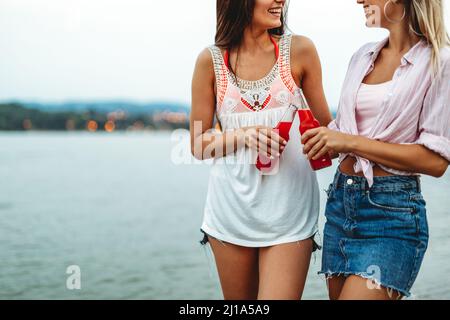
(244, 206)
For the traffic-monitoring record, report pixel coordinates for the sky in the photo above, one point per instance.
(145, 50)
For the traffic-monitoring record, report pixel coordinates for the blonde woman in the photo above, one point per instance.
(392, 125)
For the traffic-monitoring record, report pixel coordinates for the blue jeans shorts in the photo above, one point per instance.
(379, 233)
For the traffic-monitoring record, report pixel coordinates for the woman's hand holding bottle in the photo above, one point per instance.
(322, 141)
(264, 140)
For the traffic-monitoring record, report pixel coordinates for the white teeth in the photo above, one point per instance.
(276, 11)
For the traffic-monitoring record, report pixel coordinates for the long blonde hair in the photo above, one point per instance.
(426, 20)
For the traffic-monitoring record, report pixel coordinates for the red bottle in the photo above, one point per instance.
(307, 121)
(265, 164)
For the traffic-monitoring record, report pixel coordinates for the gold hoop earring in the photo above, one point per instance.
(391, 20)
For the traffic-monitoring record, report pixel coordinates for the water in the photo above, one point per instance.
(116, 206)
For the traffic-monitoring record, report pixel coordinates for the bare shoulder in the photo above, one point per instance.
(302, 46)
(205, 60)
(303, 55)
(204, 66)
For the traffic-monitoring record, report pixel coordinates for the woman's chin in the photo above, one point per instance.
(272, 23)
(275, 25)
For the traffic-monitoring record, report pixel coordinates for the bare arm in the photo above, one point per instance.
(202, 113)
(307, 72)
(410, 158)
(207, 143)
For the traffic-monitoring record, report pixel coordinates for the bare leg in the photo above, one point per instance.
(283, 269)
(238, 270)
(335, 285)
(357, 288)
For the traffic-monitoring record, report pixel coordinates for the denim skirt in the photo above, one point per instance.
(378, 233)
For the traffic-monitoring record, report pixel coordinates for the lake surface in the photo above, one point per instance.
(117, 206)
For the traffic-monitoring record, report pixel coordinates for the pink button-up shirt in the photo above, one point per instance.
(416, 109)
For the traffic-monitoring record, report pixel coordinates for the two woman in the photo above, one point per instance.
(392, 125)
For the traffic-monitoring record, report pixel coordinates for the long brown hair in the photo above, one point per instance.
(233, 16)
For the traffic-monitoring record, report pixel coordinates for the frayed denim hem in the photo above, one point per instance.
(390, 289)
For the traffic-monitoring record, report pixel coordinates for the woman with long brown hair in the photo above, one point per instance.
(392, 125)
(260, 225)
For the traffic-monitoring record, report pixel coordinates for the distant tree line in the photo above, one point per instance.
(15, 117)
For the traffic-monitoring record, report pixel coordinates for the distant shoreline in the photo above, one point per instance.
(100, 117)
(94, 117)
(85, 132)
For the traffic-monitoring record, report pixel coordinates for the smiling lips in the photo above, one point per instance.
(276, 11)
